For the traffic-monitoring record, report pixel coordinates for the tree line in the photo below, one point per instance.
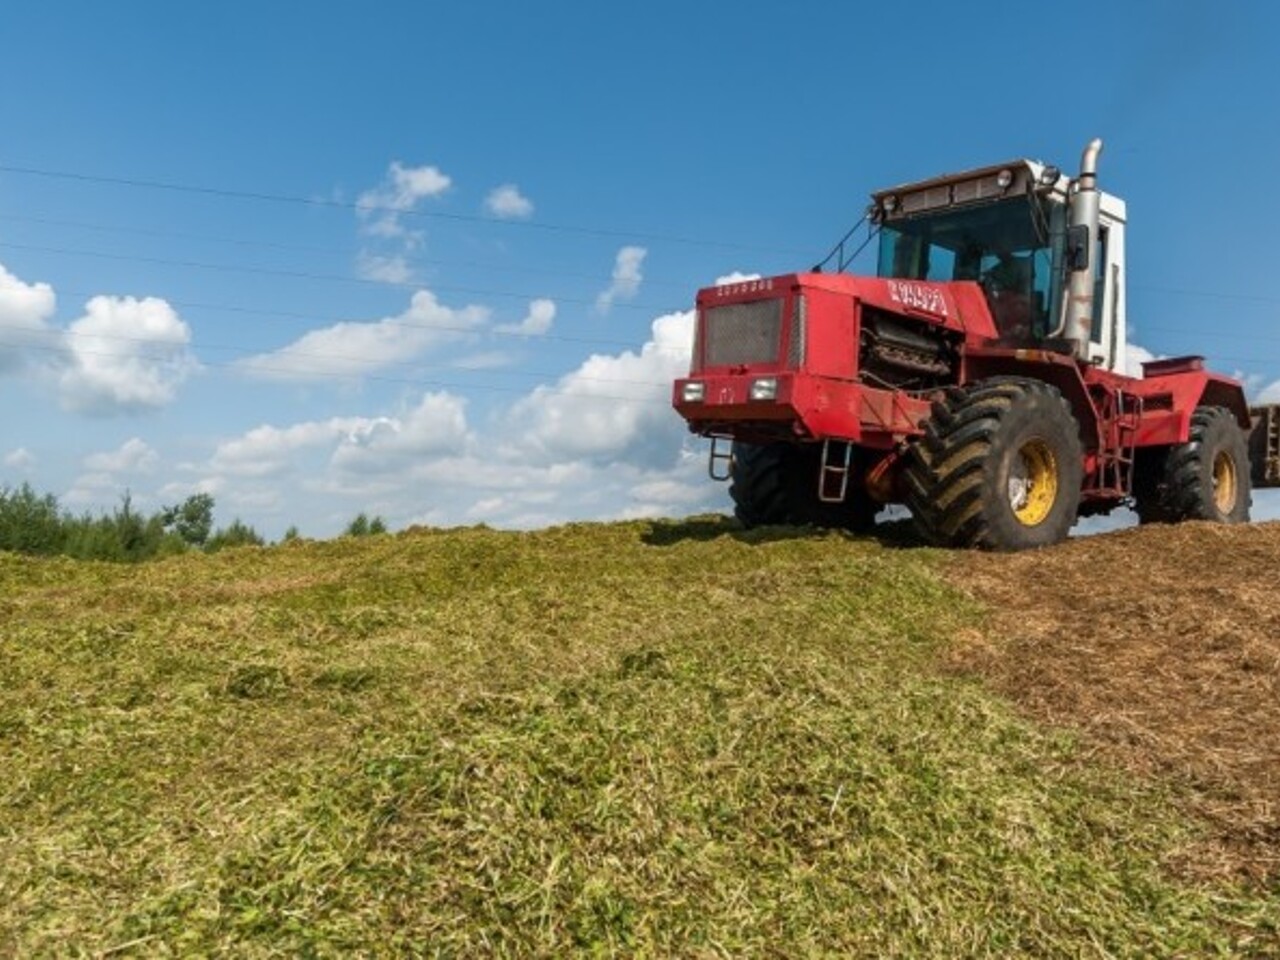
(34, 523)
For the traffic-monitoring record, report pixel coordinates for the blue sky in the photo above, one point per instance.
(553, 182)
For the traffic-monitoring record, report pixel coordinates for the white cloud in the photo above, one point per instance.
(92, 489)
(364, 445)
(384, 269)
(353, 349)
(626, 277)
(125, 355)
(268, 450)
(381, 208)
(133, 456)
(507, 203)
(486, 360)
(381, 213)
(25, 309)
(536, 322)
(735, 276)
(1134, 357)
(614, 405)
(20, 459)
(437, 426)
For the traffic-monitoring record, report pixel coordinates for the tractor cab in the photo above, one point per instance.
(1008, 229)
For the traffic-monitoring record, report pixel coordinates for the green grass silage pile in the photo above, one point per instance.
(635, 738)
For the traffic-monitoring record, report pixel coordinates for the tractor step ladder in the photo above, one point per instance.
(836, 471)
(720, 462)
(1271, 470)
(1121, 414)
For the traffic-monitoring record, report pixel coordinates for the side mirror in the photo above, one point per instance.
(1078, 248)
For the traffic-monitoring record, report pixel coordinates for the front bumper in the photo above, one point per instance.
(804, 405)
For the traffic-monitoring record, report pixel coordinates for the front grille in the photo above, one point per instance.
(741, 333)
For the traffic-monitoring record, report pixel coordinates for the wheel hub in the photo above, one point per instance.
(1033, 482)
(1225, 482)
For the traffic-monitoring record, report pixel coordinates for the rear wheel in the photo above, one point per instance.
(1206, 478)
(999, 467)
(777, 483)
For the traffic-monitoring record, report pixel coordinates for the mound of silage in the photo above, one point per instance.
(666, 738)
(1162, 645)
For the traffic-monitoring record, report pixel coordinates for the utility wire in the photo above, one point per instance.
(307, 275)
(308, 248)
(331, 375)
(330, 321)
(339, 278)
(329, 202)
(244, 353)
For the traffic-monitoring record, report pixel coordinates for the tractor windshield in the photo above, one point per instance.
(1012, 248)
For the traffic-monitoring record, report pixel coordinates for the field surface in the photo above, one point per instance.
(645, 738)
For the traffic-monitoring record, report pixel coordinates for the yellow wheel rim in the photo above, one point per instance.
(1224, 482)
(1033, 482)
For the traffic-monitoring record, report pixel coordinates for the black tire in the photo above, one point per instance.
(1148, 476)
(1206, 478)
(962, 477)
(777, 483)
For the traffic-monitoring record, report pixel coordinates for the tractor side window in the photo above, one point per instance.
(913, 257)
(1099, 285)
(942, 263)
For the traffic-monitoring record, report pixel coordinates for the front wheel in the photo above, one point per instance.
(777, 483)
(999, 467)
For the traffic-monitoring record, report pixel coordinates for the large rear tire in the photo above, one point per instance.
(1206, 478)
(999, 467)
(777, 483)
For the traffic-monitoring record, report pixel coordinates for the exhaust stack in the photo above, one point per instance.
(1082, 242)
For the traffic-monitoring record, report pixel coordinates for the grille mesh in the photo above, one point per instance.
(741, 333)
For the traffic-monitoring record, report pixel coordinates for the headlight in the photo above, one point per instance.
(766, 388)
(694, 392)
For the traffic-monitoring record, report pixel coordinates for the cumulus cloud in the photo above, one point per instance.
(20, 459)
(353, 349)
(381, 213)
(125, 355)
(436, 426)
(133, 456)
(381, 208)
(507, 203)
(1134, 357)
(392, 268)
(25, 310)
(267, 450)
(536, 322)
(486, 360)
(614, 405)
(626, 280)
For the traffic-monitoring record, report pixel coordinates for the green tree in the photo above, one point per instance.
(192, 520)
(363, 526)
(237, 534)
(30, 523)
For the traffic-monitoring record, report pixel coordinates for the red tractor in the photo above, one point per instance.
(978, 377)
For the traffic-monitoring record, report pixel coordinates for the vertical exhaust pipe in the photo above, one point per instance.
(1082, 242)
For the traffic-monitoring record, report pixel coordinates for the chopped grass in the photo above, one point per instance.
(636, 738)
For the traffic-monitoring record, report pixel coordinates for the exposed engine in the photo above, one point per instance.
(902, 353)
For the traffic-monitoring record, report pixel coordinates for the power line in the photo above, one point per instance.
(333, 203)
(330, 375)
(1208, 294)
(307, 275)
(381, 321)
(309, 248)
(245, 353)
